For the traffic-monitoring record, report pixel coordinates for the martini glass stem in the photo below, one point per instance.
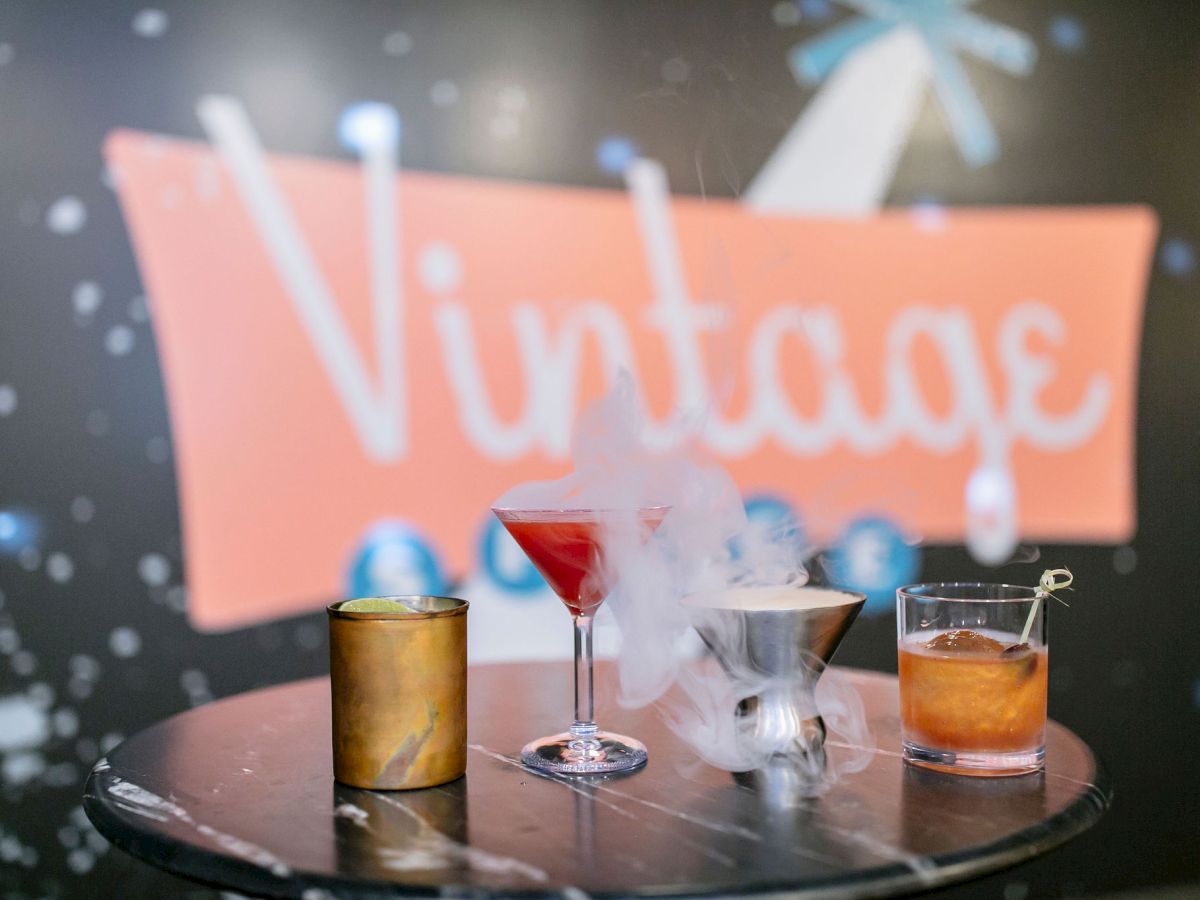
(583, 728)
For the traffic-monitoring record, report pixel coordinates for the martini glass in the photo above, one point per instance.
(566, 547)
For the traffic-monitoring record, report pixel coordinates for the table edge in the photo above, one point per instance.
(189, 860)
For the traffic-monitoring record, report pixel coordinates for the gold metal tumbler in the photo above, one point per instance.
(399, 692)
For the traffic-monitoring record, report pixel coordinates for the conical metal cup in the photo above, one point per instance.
(784, 649)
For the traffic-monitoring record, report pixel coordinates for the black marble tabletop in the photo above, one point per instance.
(240, 794)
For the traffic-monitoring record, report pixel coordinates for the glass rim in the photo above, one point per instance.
(921, 591)
(456, 607)
(564, 513)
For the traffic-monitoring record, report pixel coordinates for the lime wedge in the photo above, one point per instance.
(375, 605)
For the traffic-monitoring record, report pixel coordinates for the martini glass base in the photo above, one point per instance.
(566, 754)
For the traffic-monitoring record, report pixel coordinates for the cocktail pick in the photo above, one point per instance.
(1052, 580)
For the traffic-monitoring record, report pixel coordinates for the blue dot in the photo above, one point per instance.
(393, 558)
(614, 154)
(1178, 257)
(873, 558)
(772, 521)
(815, 9)
(368, 124)
(18, 529)
(1067, 34)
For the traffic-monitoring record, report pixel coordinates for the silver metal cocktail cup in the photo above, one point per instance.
(779, 653)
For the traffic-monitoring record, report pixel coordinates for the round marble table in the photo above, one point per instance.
(239, 794)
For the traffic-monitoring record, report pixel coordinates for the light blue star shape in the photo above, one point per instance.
(945, 28)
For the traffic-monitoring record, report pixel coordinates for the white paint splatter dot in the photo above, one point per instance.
(66, 722)
(23, 723)
(150, 23)
(10, 848)
(41, 694)
(119, 340)
(397, 43)
(83, 666)
(10, 641)
(154, 569)
(124, 642)
(505, 127)
(158, 450)
(110, 740)
(83, 509)
(66, 215)
(69, 836)
(675, 70)
(23, 662)
(86, 297)
(8, 399)
(785, 13)
(443, 93)
(22, 768)
(29, 857)
(440, 268)
(1124, 560)
(59, 567)
(80, 861)
(97, 423)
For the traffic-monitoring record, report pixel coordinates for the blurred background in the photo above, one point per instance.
(276, 275)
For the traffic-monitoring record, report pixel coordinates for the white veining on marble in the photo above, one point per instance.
(144, 800)
(246, 850)
(565, 781)
(431, 849)
(686, 817)
(138, 811)
(922, 866)
(1086, 784)
(355, 814)
(138, 800)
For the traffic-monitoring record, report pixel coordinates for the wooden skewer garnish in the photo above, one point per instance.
(1047, 585)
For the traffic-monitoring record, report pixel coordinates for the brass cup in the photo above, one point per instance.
(399, 694)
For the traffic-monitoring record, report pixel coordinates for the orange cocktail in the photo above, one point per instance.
(972, 678)
(982, 699)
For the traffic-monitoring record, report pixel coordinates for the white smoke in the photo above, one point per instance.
(704, 545)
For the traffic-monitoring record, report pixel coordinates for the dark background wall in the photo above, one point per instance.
(90, 621)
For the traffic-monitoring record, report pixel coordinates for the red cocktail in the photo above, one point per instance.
(568, 548)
